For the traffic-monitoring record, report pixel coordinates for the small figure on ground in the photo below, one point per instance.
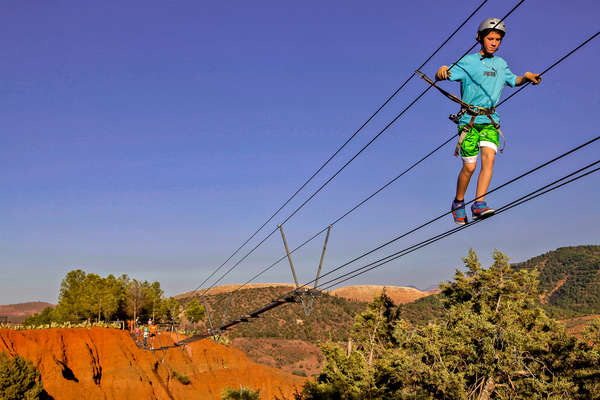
(482, 77)
(152, 335)
(146, 334)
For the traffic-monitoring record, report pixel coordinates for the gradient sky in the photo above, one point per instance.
(152, 138)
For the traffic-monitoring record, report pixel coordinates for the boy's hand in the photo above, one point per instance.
(533, 78)
(443, 73)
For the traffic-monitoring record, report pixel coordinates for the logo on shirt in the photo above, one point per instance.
(489, 73)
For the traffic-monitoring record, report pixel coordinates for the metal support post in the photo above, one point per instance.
(215, 337)
(289, 256)
(310, 292)
(322, 257)
(308, 309)
(226, 308)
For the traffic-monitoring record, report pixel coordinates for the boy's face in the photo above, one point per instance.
(491, 42)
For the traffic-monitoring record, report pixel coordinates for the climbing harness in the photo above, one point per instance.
(466, 108)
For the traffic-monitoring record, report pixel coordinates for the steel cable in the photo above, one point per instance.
(346, 164)
(340, 148)
(530, 196)
(556, 184)
(443, 215)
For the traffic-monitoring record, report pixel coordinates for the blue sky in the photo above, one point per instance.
(152, 138)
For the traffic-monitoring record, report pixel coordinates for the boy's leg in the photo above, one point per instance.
(468, 151)
(458, 205)
(464, 177)
(488, 156)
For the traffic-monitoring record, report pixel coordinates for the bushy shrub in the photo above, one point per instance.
(19, 379)
(493, 340)
(182, 378)
(240, 394)
(84, 324)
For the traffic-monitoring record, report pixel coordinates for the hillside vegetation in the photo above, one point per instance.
(492, 340)
(569, 278)
(17, 313)
(330, 318)
(87, 297)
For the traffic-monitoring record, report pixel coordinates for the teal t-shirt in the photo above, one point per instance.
(481, 83)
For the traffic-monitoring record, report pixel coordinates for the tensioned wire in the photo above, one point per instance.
(530, 196)
(341, 147)
(552, 66)
(507, 183)
(545, 164)
(394, 179)
(344, 166)
(558, 183)
(337, 220)
(422, 225)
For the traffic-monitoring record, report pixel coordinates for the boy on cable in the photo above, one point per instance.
(482, 77)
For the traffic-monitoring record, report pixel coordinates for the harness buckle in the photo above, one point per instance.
(456, 117)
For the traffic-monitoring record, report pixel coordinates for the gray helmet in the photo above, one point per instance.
(492, 23)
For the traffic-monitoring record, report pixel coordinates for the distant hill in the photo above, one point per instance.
(285, 337)
(366, 293)
(421, 310)
(231, 288)
(330, 318)
(569, 276)
(17, 313)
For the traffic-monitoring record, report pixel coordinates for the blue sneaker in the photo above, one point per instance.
(458, 212)
(480, 210)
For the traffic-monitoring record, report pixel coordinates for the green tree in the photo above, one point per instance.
(194, 312)
(136, 298)
(70, 306)
(45, 317)
(19, 379)
(89, 296)
(493, 341)
(153, 295)
(240, 394)
(349, 374)
(345, 376)
(93, 295)
(112, 294)
(373, 329)
(170, 310)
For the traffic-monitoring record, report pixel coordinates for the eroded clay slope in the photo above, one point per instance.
(102, 363)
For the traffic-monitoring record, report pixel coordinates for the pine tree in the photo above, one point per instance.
(19, 379)
(493, 341)
(194, 312)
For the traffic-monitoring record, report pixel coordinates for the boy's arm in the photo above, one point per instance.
(528, 77)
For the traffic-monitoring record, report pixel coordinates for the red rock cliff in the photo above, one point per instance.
(100, 363)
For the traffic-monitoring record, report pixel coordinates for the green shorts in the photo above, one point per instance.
(478, 136)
